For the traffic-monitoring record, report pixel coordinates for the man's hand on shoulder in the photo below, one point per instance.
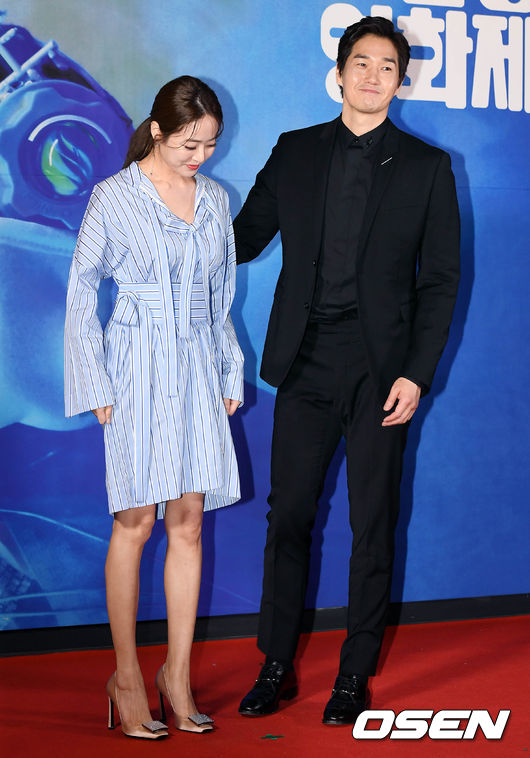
(407, 395)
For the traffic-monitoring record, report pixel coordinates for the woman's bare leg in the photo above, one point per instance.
(130, 531)
(182, 579)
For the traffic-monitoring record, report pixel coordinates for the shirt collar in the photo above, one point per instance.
(367, 140)
(142, 181)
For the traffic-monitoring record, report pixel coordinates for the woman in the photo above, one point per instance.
(163, 378)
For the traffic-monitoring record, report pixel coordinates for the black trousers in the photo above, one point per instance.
(329, 393)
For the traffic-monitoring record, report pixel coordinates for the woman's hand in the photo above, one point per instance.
(231, 405)
(103, 414)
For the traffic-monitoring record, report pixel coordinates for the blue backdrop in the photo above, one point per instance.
(65, 118)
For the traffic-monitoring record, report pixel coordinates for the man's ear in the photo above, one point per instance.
(338, 79)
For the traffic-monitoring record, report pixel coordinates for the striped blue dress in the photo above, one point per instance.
(169, 353)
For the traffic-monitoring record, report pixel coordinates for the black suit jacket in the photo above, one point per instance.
(408, 254)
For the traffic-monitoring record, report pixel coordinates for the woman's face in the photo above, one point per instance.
(185, 151)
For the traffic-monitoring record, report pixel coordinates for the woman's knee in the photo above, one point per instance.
(135, 524)
(184, 524)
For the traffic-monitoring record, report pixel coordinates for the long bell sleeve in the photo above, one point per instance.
(86, 383)
(231, 354)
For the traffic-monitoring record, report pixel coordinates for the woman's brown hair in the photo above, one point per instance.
(180, 102)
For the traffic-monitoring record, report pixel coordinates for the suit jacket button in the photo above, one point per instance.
(314, 263)
(306, 305)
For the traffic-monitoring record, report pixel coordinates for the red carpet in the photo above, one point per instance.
(54, 705)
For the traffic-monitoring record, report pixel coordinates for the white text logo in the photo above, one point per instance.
(443, 725)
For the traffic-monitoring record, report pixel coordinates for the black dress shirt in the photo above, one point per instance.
(349, 182)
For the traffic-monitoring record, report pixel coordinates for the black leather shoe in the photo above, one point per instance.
(273, 684)
(349, 698)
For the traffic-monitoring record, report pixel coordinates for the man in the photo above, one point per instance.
(369, 225)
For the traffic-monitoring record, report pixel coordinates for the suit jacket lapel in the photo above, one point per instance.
(322, 157)
(383, 171)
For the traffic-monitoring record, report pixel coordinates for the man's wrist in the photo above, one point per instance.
(421, 385)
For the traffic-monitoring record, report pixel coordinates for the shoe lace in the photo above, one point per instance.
(270, 672)
(350, 686)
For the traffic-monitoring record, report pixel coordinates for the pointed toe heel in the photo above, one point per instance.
(147, 730)
(201, 720)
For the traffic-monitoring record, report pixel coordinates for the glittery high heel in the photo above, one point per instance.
(201, 720)
(148, 730)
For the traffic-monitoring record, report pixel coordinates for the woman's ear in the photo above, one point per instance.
(156, 132)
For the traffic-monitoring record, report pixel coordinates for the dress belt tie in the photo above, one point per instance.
(138, 305)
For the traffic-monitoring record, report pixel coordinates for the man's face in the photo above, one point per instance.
(370, 76)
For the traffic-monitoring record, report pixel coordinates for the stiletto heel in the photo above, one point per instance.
(162, 706)
(148, 730)
(200, 720)
(111, 714)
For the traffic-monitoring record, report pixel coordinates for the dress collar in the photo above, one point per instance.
(141, 182)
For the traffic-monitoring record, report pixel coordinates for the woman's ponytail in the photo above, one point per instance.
(141, 143)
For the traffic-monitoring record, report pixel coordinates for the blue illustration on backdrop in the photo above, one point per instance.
(463, 528)
(60, 133)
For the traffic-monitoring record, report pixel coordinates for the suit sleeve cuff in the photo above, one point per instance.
(423, 387)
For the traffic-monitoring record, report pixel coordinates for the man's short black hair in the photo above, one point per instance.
(381, 27)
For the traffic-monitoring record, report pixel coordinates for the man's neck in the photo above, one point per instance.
(360, 123)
